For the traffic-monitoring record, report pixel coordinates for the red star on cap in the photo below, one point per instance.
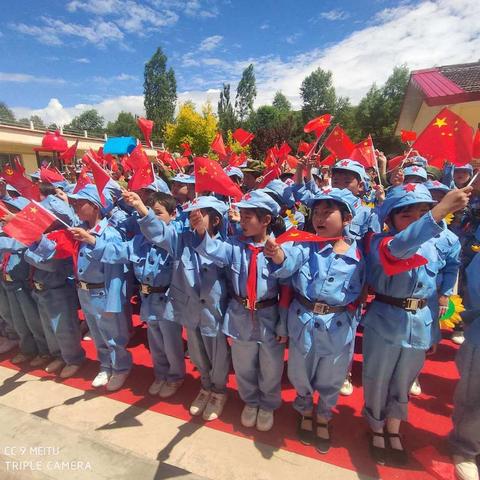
(415, 169)
(326, 191)
(247, 197)
(410, 187)
(344, 163)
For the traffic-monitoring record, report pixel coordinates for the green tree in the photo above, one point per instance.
(226, 114)
(281, 103)
(246, 93)
(318, 94)
(89, 120)
(160, 93)
(124, 126)
(5, 113)
(35, 119)
(197, 129)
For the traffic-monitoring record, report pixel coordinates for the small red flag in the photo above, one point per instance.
(408, 136)
(447, 136)
(4, 211)
(100, 176)
(292, 161)
(328, 161)
(82, 180)
(209, 176)
(183, 161)
(270, 175)
(242, 136)
(284, 150)
(294, 235)
(138, 158)
(318, 125)
(28, 225)
(16, 178)
(50, 175)
(146, 126)
(141, 178)
(339, 143)
(393, 265)
(218, 146)
(303, 147)
(66, 246)
(69, 154)
(270, 159)
(476, 145)
(187, 151)
(364, 153)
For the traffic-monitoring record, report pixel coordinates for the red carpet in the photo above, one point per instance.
(429, 414)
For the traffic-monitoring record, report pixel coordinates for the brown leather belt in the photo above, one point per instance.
(258, 305)
(408, 304)
(89, 286)
(318, 307)
(148, 289)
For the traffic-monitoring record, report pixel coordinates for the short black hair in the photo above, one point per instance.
(164, 199)
(212, 214)
(344, 211)
(47, 189)
(276, 225)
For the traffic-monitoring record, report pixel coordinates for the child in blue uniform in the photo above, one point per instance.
(328, 278)
(252, 317)
(198, 294)
(402, 269)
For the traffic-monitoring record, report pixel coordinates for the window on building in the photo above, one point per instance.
(7, 159)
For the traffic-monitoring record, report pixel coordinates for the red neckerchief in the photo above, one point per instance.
(252, 276)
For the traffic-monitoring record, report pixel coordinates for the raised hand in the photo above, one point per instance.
(81, 235)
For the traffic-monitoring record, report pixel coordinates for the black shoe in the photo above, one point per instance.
(378, 454)
(305, 436)
(396, 457)
(322, 445)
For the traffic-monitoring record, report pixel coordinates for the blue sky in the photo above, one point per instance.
(59, 57)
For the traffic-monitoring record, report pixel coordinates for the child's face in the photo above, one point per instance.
(180, 191)
(437, 195)
(249, 180)
(327, 219)
(161, 213)
(346, 179)
(85, 210)
(409, 214)
(251, 224)
(461, 177)
(207, 223)
(413, 179)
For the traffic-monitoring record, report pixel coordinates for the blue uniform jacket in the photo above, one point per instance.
(472, 329)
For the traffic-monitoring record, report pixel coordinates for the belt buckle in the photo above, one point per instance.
(7, 277)
(38, 286)
(412, 303)
(83, 285)
(321, 308)
(145, 289)
(247, 304)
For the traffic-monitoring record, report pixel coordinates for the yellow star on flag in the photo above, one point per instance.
(202, 170)
(440, 122)
(33, 210)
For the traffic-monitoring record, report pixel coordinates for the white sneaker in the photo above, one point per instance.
(457, 337)
(416, 388)
(214, 406)
(249, 416)
(347, 387)
(465, 468)
(200, 402)
(264, 420)
(116, 381)
(55, 365)
(155, 387)
(7, 345)
(100, 380)
(169, 389)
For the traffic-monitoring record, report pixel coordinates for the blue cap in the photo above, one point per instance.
(340, 195)
(281, 190)
(259, 199)
(59, 208)
(467, 166)
(35, 174)
(415, 170)
(206, 202)
(63, 185)
(10, 188)
(436, 185)
(90, 193)
(113, 189)
(17, 202)
(158, 185)
(231, 171)
(183, 178)
(417, 160)
(402, 196)
(352, 166)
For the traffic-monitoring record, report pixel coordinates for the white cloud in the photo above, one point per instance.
(26, 78)
(210, 43)
(291, 39)
(122, 77)
(81, 60)
(264, 26)
(334, 15)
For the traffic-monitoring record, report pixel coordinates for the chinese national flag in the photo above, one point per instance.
(82, 180)
(408, 136)
(476, 145)
(364, 153)
(28, 225)
(292, 161)
(303, 147)
(50, 175)
(270, 175)
(100, 176)
(284, 150)
(141, 178)
(339, 143)
(447, 136)
(329, 161)
(318, 125)
(3, 210)
(393, 265)
(209, 176)
(138, 158)
(187, 151)
(68, 155)
(218, 146)
(16, 178)
(270, 159)
(242, 136)
(294, 235)
(146, 126)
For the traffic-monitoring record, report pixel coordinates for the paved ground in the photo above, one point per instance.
(52, 431)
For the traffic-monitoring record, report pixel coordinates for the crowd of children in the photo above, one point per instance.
(384, 258)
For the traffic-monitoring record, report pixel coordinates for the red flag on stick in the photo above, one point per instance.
(50, 175)
(100, 176)
(242, 136)
(138, 158)
(187, 151)
(318, 125)
(209, 176)
(328, 161)
(303, 147)
(364, 153)
(339, 143)
(270, 175)
(408, 136)
(476, 145)
(28, 225)
(218, 146)
(141, 178)
(294, 235)
(69, 154)
(16, 178)
(82, 180)
(146, 126)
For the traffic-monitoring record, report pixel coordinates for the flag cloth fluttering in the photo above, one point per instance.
(209, 176)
